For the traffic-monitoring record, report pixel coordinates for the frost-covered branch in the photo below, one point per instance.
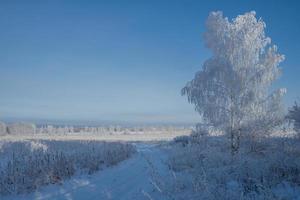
(233, 88)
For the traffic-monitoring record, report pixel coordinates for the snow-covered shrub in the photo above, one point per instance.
(27, 165)
(3, 130)
(294, 116)
(183, 140)
(21, 128)
(205, 172)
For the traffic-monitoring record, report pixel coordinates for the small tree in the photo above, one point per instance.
(232, 89)
(294, 116)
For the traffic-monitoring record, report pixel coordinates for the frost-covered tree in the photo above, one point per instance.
(232, 91)
(294, 116)
(21, 128)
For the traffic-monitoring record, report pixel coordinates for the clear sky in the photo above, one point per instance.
(120, 60)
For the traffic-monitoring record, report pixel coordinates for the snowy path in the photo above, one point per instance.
(129, 180)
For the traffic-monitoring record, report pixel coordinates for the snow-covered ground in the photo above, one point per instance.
(147, 136)
(27, 165)
(262, 169)
(129, 180)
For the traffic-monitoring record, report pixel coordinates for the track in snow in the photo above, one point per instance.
(129, 180)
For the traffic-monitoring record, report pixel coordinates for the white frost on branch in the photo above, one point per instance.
(232, 90)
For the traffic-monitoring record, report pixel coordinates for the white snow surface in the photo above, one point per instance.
(128, 180)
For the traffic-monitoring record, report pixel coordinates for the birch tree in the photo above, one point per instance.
(232, 91)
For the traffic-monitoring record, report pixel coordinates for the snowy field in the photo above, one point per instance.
(60, 166)
(147, 136)
(27, 165)
(246, 145)
(131, 179)
(202, 167)
(188, 167)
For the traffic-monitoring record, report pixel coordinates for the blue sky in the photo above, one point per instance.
(120, 60)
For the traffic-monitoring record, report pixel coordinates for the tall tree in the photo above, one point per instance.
(232, 91)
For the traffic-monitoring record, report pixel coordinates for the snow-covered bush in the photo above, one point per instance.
(21, 128)
(3, 130)
(294, 116)
(198, 135)
(27, 165)
(183, 140)
(210, 172)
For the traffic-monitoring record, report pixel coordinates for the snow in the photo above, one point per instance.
(131, 179)
(28, 165)
(266, 169)
(147, 136)
(286, 191)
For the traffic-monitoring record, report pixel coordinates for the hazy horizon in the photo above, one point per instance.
(95, 122)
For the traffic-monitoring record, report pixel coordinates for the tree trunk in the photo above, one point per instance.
(235, 141)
